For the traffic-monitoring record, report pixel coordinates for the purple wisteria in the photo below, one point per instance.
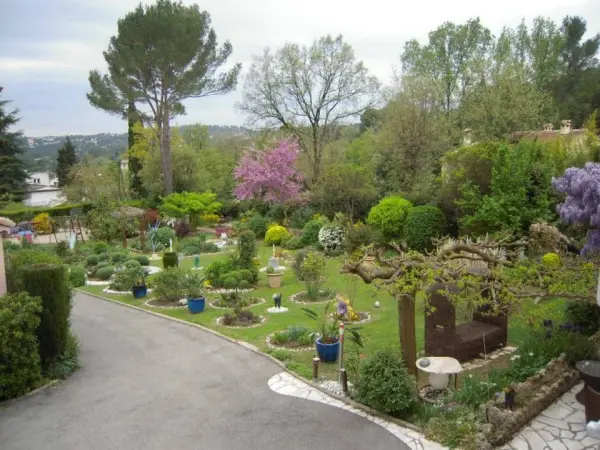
(270, 175)
(582, 205)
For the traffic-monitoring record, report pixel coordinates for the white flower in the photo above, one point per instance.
(530, 353)
(512, 358)
(332, 237)
(470, 375)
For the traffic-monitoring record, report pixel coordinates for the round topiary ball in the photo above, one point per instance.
(132, 263)
(275, 235)
(389, 216)
(143, 260)
(551, 260)
(105, 273)
(424, 223)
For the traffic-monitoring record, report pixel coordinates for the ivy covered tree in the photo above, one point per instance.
(65, 160)
(582, 204)
(13, 174)
(162, 55)
(270, 175)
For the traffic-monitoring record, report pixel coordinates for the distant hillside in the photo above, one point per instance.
(41, 152)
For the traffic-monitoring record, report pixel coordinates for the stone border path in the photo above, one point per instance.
(561, 426)
(285, 384)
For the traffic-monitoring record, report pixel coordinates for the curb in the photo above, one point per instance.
(49, 384)
(256, 350)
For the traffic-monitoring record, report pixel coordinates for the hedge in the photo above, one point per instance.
(19, 351)
(49, 282)
(25, 213)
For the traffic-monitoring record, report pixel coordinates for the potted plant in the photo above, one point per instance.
(274, 277)
(139, 288)
(193, 283)
(328, 338)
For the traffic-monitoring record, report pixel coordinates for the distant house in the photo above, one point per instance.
(43, 190)
(549, 134)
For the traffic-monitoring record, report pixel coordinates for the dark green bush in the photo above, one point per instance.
(92, 260)
(217, 269)
(100, 247)
(384, 383)
(301, 216)
(142, 259)
(19, 350)
(132, 263)
(119, 257)
(62, 249)
(21, 214)
(170, 259)
(17, 261)
(258, 225)
(359, 235)
(243, 284)
(163, 235)
(310, 232)
(10, 246)
(584, 315)
(230, 282)
(103, 256)
(66, 363)
(169, 284)
(102, 264)
(50, 284)
(77, 276)
(104, 273)
(423, 224)
(294, 243)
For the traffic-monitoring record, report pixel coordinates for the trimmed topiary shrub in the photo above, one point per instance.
(132, 263)
(169, 285)
(244, 284)
(170, 259)
(142, 259)
(384, 384)
(102, 264)
(49, 282)
(100, 247)
(389, 216)
(216, 269)
(246, 250)
(19, 350)
(104, 273)
(551, 260)
(103, 256)
(294, 243)
(424, 223)
(275, 234)
(17, 261)
(119, 257)
(584, 315)
(77, 276)
(162, 236)
(258, 225)
(310, 232)
(92, 260)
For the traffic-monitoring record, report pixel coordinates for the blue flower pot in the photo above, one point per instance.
(328, 352)
(139, 291)
(196, 305)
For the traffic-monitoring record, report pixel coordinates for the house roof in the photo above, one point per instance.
(544, 135)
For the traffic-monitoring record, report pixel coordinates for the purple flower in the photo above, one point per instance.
(548, 323)
(342, 308)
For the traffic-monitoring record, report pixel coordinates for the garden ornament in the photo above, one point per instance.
(376, 304)
(593, 429)
(277, 300)
(509, 397)
(424, 362)
(197, 261)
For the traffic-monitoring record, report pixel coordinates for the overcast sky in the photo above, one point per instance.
(47, 48)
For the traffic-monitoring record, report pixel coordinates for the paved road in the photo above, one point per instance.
(148, 383)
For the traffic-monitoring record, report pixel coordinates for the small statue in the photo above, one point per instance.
(197, 261)
(509, 397)
(376, 305)
(277, 300)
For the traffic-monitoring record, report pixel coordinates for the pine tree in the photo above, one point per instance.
(65, 160)
(13, 174)
(135, 165)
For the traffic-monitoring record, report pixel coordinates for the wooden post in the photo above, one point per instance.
(406, 323)
(344, 380)
(315, 369)
(2, 271)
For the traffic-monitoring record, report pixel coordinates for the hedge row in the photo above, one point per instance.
(25, 213)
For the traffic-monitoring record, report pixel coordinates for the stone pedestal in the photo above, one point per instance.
(273, 262)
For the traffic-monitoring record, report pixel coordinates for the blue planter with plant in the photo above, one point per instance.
(193, 284)
(139, 291)
(328, 352)
(196, 305)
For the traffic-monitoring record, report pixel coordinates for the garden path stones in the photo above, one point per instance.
(561, 426)
(285, 384)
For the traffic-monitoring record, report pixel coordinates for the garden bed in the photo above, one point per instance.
(253, 301)
(242, 323)
(303, 299)
(364, 317)
(164, 304)
(295, 339)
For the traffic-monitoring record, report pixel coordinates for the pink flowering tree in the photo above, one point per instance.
(270, 175)
(582, 204)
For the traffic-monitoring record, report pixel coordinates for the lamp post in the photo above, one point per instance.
(2, 271)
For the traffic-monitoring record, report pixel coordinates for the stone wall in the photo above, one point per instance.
(531, 397)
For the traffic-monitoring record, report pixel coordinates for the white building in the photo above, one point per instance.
(43, 190)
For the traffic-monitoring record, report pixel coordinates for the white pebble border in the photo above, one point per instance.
(97, 282)
(262, 320)
(293, 299)
(280, 268)
(279, 347)
(260, 302)
(111, 291)
(227, 291)
(181, 304)
(151, 270)
(285, 384)
(349, 322)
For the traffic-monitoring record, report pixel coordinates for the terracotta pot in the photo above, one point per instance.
(275, 280)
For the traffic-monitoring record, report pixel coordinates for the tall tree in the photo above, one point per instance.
(66, 159)
(134, 164)
(162, 55)
(13, 175)
(308, 91)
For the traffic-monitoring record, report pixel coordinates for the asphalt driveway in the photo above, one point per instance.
(148, 383)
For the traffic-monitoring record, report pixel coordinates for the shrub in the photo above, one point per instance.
(142, 259)
(243, 284)
(258, 225)
(384, 383)
(182, 228)
(170, 259)
(126, 278)
(103, 256)
(210, 220)
(49, 282)
(229, 282)
(389, 216)
(77, 276)
(162, 236)
(294, 243)
(42, 223)
(66, 363)
(18, 261)
(551, 260)
(360, 235)
(332, 237)
(301, 216)
(119, 257)
(424, 223)
(132, 263)
(275, 234)
(300, 369)
(62, 249)
(217, 269)
(104, 273)
(310, 232)
(19, 349)
(169, 284)
(584, 315)
(100, 247)
(102, 264)
(10, 246)
(246, 251)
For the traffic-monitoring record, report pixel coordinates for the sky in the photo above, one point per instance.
(47, 48)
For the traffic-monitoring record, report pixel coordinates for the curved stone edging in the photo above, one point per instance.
(349, 322)
(97, 282)
(279, 347)
(293, 299)
(147, 303)
(262, 320)
(212, 304)
(113, 292)
(227, 291)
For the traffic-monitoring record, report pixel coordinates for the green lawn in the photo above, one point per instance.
(381, 331)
